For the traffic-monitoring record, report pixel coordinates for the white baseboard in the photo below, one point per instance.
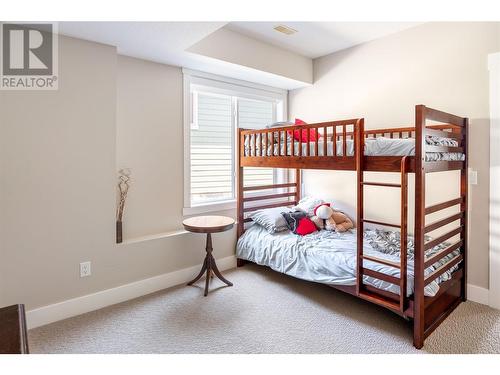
(90, 302)
(477, 294)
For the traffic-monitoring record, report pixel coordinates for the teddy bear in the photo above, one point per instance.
(325, 217)
(339, 222)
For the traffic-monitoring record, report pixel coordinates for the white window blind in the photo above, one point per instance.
(211, 149)
(212, 164)
(256, 114)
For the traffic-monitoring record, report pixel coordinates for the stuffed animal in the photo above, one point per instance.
(325, 217)
(320, 223)
(339, 222)
(321, 213)
(308, 204)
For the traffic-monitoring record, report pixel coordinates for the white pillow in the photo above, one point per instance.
(271, 218)
(308, 204)
(279, 124)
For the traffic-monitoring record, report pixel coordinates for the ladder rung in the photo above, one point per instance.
(380, 276)
(381, 223)
(382, 261)
(380, 184)
(379, 300)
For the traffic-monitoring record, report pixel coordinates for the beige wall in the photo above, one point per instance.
(252, 53)
(442, 65)
(150, 143)
(58, 156)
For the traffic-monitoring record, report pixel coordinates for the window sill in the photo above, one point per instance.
(210, 207)
(153, 237)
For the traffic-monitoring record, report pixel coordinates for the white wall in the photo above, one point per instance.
(442, 65)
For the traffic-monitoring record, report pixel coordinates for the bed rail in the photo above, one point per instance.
(264, 196)
(324, 145)
(440, 130)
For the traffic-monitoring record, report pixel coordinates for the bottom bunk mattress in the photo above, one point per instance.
(330, 257)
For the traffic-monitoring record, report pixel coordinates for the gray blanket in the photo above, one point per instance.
(330, 257)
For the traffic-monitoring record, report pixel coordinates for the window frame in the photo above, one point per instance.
(214, 84)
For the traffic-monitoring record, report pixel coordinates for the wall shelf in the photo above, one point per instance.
(151, 237)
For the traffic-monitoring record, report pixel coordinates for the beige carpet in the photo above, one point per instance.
(265, 312)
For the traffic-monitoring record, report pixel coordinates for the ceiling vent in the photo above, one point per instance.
(285, 29)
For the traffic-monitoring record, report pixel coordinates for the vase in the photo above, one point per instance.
(119, 238)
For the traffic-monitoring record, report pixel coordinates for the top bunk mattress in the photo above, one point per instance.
(330, 258)
(380, 146)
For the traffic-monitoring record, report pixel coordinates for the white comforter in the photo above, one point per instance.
(325, 257)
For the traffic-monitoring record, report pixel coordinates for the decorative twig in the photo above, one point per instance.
(123, 186)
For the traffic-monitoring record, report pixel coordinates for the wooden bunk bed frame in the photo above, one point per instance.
(426, 313)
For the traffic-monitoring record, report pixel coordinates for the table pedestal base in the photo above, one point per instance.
(209, 267)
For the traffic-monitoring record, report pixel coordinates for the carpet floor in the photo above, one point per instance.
(264, 312)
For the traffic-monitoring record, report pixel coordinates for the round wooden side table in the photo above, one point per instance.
(209, 225)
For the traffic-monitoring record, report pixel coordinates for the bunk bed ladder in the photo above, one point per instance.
(389, 300)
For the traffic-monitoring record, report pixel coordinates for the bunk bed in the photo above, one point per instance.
(346, 145)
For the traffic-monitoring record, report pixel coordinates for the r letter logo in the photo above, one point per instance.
(29, 57)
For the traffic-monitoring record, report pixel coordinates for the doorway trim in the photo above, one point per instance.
(494, 252)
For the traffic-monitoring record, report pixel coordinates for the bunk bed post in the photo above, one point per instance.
(239, 193)
(403, 281)
(359, 154)
(239, 184)
(419, 308)
(298, 185)
(464, 185)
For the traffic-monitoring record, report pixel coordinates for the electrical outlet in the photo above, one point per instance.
(85, 269)
(472, 177)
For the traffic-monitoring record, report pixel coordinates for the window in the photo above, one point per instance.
(214, 109)
(256, 114)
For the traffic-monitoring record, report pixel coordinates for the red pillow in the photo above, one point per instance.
(306, 226)
(312, 132)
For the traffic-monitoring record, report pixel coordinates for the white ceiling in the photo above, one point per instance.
(163, 42)
(167, 42)
(315, 39)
